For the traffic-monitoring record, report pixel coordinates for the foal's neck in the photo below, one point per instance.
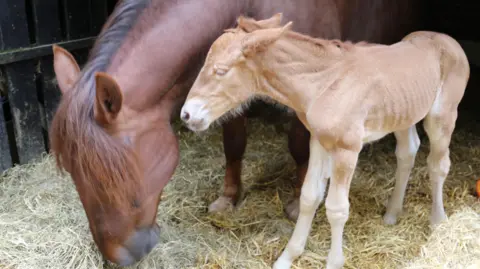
(296, 71)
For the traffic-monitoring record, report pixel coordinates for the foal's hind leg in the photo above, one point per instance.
(298, 144)
(234, 143)
(407, 148)
(439, 126)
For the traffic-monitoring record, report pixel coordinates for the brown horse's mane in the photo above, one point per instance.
(107, 167)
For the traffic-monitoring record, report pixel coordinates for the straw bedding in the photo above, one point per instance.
(42, 223)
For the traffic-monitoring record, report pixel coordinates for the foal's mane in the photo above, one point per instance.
(343, 45)
(346, 45)
(108, 168)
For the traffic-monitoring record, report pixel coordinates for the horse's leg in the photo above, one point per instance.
(407, 148)
(311, 196)
(298, 144)
(337, 203)
(439, 126)
(234, 143)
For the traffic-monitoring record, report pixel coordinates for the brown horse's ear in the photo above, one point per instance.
(66, 68)
(260, 40)
(108, 100)
(250, 25)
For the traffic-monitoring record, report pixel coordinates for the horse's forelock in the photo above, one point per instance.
(108, 169)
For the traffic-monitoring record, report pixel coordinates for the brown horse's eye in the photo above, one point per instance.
(135, 204)
(108, 105)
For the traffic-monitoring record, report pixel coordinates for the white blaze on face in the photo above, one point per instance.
(195, 115)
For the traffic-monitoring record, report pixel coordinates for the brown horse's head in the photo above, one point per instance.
(120, 159)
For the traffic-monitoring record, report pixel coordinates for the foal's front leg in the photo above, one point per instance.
(337, 203)
(313, 190)
(234, 143)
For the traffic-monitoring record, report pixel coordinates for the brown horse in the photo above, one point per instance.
(112, 129)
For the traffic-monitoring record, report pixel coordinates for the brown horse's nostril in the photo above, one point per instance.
(185, 116)
(138, 245)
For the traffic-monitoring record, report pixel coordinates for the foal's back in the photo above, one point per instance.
(454, 66)
(406, 79)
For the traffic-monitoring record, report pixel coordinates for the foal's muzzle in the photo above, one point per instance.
(194, 115)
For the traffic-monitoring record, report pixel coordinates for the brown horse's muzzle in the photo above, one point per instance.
(137, 246)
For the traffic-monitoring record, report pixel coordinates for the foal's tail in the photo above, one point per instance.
(453, 57)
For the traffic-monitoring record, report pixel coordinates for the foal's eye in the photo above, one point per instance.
(220, 69)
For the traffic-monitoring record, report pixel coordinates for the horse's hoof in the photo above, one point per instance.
(335, 260)
(221, 204)
(389, 219)
(282, 264)
(437, 218)
(293, 209)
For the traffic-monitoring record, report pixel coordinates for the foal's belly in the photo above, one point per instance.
(371, 136)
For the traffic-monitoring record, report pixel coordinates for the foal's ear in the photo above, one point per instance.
(108, 100)
(250, 24)
(66, 68)
(260, 40)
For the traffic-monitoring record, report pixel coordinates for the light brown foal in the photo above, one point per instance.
(346, 95)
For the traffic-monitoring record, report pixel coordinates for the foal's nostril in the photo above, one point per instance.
(185, 116)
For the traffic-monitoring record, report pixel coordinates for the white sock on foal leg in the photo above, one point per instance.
(407, 148)
(313, 190)
(337, 204)
(338, 207)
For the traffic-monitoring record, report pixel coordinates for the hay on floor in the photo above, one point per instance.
(42, 223)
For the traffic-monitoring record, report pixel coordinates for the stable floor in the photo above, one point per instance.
(43, 225)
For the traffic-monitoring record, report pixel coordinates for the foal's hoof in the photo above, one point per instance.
(389, 219)
(282, 263)
(335, 260)
(293, 209)
(221, 204)
(437, 218)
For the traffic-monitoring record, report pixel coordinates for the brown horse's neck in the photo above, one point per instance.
(163, 42)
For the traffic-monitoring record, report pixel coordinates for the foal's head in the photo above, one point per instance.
(229, 77)
(116, 166)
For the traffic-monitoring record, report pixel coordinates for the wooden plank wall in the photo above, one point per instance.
(20, 76)
(5, 156)
(30, 92)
